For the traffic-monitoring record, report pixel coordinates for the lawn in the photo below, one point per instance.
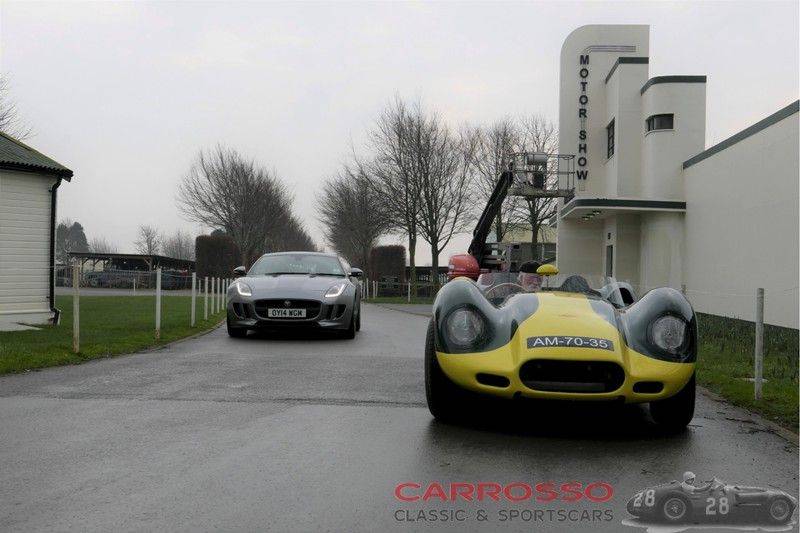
(399, 300)
(110, 325)
(725, 360)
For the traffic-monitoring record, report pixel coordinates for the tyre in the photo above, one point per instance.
(350, 332)
(675, 413)
(779, 510)
(358, 318)
(235, 332)
(675, 509)
(447, 401)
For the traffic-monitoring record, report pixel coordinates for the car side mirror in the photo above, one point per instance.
(239, 271)
(356, 272)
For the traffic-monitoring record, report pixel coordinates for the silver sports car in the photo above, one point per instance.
(295, 289)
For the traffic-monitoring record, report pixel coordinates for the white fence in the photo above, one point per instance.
(158, 283)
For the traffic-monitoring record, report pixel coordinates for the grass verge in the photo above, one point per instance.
(110, 325)
(725, 362)
(399, 300)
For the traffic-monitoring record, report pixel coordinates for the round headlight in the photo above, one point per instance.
(669, 333)
(464, 326)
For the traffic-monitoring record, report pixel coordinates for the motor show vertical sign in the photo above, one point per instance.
(583, 104)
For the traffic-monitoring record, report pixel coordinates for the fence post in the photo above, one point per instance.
(205, 300)
(759, 348)
(194, 295)
(216, 294)
(76, 315)
(158, 303)
(375, 292)
(134, 284)
(409, 293)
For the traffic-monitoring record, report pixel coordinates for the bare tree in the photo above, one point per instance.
(149, 241)
(223, 189)
(101, 245)
(179, 245)
(495, 145)
(442, 163)
(538, 135)
(393, 170)
(293, 237)
(349, 211)
(10, 121)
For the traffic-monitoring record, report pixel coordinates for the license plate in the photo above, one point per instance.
(286, 313)
(564, 341)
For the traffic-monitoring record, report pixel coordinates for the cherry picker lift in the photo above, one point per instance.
(529, 175)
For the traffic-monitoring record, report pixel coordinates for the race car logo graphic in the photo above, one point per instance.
(676, 506)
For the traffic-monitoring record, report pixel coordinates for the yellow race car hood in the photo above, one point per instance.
(568, 325)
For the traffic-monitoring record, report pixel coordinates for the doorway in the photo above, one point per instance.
(610, 261)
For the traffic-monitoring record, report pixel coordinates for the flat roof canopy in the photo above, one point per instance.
(603, 207)
(126, 261)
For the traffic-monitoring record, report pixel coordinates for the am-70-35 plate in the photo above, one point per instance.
(281, 312)
(565, 341)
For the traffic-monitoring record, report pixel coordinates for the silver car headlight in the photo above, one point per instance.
(668, 333)
(243, 289)
(465, 327)
(335, 290)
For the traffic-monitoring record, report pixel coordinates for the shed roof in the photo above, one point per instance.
(16, 155)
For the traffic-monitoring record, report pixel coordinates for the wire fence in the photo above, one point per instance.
(410, 292)
(124, 279)
(93, 292)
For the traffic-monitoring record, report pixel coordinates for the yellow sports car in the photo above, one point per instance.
(539, 335)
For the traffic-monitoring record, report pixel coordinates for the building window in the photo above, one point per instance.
(660, 122)
(610, 135)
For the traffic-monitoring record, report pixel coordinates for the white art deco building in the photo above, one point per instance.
(652, 204)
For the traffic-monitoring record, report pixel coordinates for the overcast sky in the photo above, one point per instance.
(125, 94)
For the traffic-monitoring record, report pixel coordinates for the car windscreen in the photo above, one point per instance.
(320, 265)
(498, 286)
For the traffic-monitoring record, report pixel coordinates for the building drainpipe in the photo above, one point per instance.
(53, 309)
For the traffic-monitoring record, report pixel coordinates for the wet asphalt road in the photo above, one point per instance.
(307, 434)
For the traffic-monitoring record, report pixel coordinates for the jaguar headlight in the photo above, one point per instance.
(465, 327)
(668, 333)
(243, 289)
(335, 290)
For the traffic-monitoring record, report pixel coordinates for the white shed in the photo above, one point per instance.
(29, 181)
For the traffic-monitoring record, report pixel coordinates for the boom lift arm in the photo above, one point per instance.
(477, 248)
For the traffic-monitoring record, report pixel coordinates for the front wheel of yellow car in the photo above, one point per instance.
(675, 413)
(446, 401)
